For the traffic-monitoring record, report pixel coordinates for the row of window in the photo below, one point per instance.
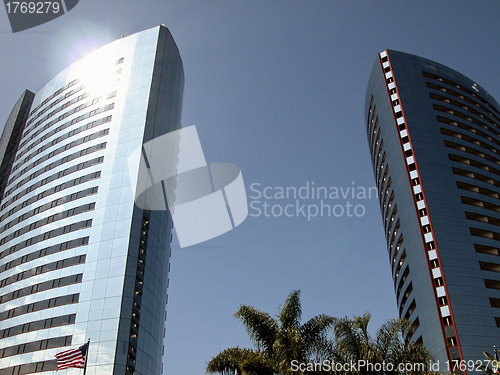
(82, 241)
(477, 189)
(411, 309)
(45, 236)
(385, 200)
(41, 287)
(492, 284)
(33, 346)
(59, 109)
(368, 118)
(30, 368)
(388, 221)
(55, 141)
(463, 116)
(406, 294)
(380, 162)
(381, 181)
(386, 194)
(393, 234)
(386, 205)
(49, 205)
(375, 142)
(462, 88)
(61, 161)
(475, 131)
(75, 120)
(486, 266)
(463, 106)
(49, 98)
(395, 251)
(489, 266)
(374, 134)
(56, 102)
(40, 305)
(479, 203)
(401, 282)
(487, 192)
(397, 268)
(484, 249)
(48, 220)
(46, 193)
(473, 163)
(59, 118)
(59, 264)
(471, 150)
(485, 233)
(59, 150)
(476, 176)
(463, 97)
(55, 176)
(38, 325)
(57, 129)
(376, 145)
(66, 114)
(136, 307)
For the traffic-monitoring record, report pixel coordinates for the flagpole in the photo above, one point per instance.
(86, 357)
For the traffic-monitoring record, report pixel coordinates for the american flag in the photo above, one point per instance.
(72, 358)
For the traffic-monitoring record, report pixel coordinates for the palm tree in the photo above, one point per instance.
(353, 342)
(392, 345)
(279, 341)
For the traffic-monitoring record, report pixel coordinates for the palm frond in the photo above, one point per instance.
(492, 366)
(291, 311)
(314, 329)
(257, 364)
(361, 324)
(260, 326)
(288, 346)
(394, 345)
(228, 361)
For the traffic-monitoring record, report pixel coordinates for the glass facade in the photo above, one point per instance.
(78, 259)
(434, 139)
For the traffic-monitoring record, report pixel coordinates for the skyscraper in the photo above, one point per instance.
(78, 259)
(434, 139)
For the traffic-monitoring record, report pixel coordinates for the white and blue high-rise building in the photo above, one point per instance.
(78, 259)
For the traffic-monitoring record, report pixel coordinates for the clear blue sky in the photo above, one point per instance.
(276, 87)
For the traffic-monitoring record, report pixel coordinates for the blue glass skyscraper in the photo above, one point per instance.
(434, 138)
(78, 259)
